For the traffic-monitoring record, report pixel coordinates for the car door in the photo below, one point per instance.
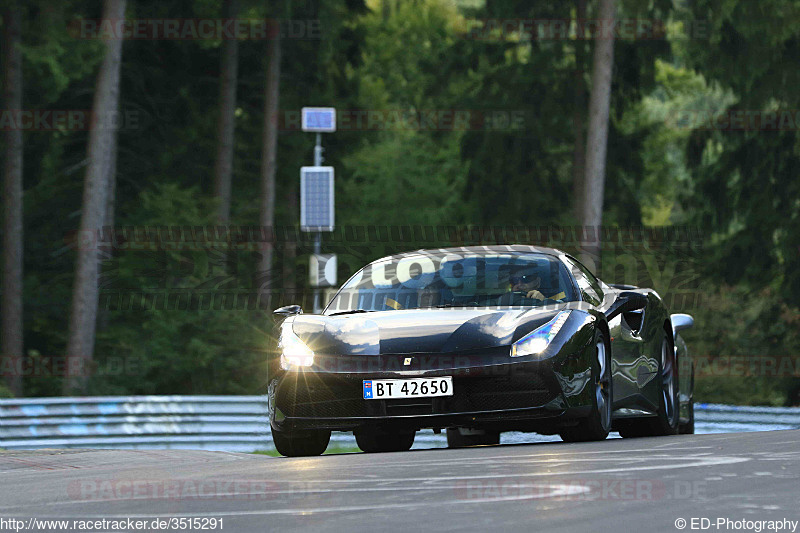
(633, 366)
(626, 344)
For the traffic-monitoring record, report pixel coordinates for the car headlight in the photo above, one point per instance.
(294, 352)
(537, 341)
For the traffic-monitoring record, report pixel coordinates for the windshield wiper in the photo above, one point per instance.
(350, 312)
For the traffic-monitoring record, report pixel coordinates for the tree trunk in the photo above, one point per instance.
(578, 111)
(290, 249)
(111, 180)
(223, 168)
(268, 159)
(106, 251)
(83, 313)
(12, 203)
(597, 140)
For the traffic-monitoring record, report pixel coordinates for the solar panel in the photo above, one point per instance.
(316, 199)
(319, 119)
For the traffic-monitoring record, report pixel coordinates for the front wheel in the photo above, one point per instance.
(598, 424)
(378, 441)
(666, 420)
(303, 444)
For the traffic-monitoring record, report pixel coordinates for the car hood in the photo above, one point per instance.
(417, 330)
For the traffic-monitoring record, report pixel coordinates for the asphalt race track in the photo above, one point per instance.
(615, 485)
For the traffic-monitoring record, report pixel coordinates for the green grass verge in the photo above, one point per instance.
(333, 448)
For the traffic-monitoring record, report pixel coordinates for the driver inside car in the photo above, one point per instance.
(525, 284)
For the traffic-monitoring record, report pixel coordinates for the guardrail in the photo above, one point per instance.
(717, 418)
(239, 423)
(235, 423)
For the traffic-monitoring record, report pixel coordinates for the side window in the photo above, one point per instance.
(595, 283)
(587, 283)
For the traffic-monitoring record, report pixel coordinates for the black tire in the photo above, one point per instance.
(667, 418)
(598, 424)
(305, 444)
(455, 439)
(378, 441)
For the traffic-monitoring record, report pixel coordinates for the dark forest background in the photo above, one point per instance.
(714, 209)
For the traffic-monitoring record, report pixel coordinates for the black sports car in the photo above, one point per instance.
(477, 341)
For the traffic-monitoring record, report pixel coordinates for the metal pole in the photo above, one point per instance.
(317, 235)
(317, 246)
(318, 151)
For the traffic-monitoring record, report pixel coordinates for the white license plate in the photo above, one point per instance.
(387, 389)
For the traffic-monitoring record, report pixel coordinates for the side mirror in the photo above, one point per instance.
(288, 310)
(626, 301)
(681, 321)
(633, 300)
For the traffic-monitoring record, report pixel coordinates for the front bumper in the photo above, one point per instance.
(497, 393)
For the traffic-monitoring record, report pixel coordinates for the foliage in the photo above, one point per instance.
(4, 392)
(759, 325)
(212, 349)
(744, 187)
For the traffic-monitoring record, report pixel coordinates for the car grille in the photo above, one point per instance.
(498, 393)
(311, 397)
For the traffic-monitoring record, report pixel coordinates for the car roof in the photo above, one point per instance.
(490, 249)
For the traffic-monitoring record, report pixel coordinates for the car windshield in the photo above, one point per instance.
(439, 279)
